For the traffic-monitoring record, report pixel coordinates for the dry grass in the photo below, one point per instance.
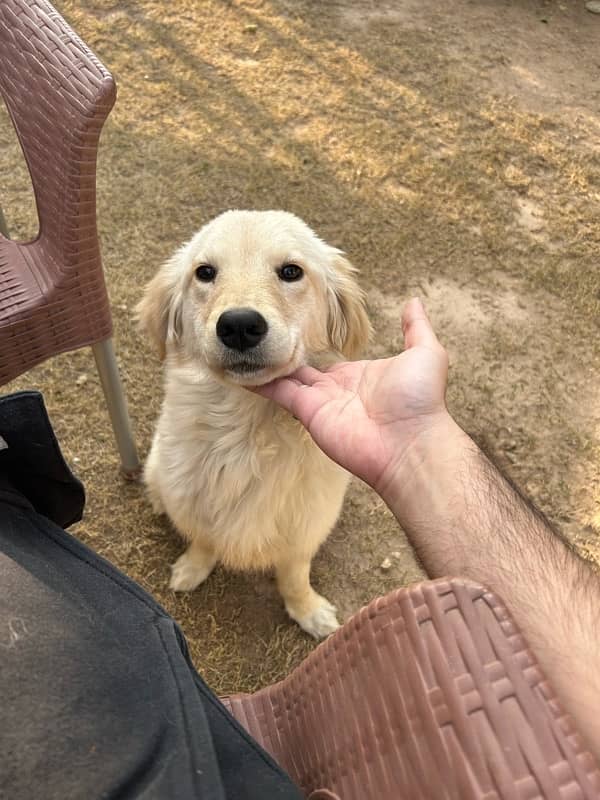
(432, 162)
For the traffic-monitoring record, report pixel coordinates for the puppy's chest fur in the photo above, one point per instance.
(241, 472)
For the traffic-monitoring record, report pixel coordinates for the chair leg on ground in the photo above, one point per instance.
(3, 225)
(106, 362)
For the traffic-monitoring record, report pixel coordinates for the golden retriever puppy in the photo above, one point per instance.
(253, 296)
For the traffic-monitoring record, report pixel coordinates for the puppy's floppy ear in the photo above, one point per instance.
(159, 312)
(348, 326)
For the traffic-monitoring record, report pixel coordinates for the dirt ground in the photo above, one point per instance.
(452, 149)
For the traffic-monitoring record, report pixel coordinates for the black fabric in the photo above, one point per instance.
(32, 460)
(99, 698)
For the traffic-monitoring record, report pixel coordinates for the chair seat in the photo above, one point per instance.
(45, 311)
(20, 291)
(429, 692)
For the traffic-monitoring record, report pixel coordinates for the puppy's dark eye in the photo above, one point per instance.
(291, 272)
(206, 273)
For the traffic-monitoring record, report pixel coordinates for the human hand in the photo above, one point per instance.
(386, 421)
(366, 414)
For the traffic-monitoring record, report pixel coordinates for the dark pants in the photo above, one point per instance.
(98, 697)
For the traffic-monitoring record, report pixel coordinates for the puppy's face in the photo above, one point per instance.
(254, 295)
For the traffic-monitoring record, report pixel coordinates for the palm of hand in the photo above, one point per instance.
(363, 413)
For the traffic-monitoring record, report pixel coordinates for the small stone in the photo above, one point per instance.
(82, 379)
(386, 564)
(396, 554)
(516, 178)
(593, 6)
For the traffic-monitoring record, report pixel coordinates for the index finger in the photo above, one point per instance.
(300, 398)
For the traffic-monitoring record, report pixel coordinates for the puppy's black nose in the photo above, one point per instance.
(241, 328)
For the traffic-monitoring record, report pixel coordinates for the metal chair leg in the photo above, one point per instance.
(3, 225)
(106, 362)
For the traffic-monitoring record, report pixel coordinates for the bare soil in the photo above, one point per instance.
(452, 149)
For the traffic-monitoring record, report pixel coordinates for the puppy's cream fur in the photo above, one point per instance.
(239, 477)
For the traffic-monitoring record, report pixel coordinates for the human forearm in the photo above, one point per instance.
(386, 421)
(464, 518)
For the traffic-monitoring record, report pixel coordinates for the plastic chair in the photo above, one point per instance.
(429, 693)
(52, 292)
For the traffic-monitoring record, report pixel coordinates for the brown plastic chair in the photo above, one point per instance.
(52, 292)
(429, 693)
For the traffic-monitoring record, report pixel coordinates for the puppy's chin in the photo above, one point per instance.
(246, 373)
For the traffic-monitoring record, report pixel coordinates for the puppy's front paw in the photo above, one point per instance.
(321, 621)
(188, 572)
(155, 501)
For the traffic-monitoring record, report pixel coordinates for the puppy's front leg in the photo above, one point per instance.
(311, 611)
(193, 567)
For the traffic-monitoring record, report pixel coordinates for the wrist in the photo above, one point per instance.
(422, 482)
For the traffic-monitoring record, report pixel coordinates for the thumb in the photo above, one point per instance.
(416, 327)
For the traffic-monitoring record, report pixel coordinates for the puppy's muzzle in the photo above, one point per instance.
(241, 328)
